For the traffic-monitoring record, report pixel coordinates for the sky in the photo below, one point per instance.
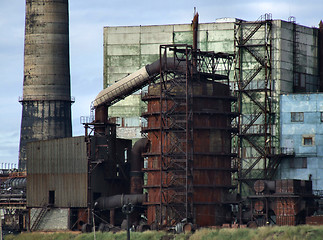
(87, 19)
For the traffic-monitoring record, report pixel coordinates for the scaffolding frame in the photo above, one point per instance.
(99, 145)
(176, 135)
(176, 161)
(257, 143)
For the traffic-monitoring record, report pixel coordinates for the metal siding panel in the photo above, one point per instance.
(59, 165)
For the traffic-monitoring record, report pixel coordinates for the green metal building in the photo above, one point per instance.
(272, 57)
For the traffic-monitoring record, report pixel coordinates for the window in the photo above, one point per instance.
(128, 122)
(298, 162)
(321, 116)
(291, 163)
(304, 162)
(126, 155)
(308, 140)
(300, 82)
(51, 198)
(297, 116)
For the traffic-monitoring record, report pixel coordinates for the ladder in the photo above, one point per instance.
(39, 217)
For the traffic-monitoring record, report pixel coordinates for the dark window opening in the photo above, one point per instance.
(297, 116)
(304, 162)
(291, 163)
(51, 197)
(307, 141)
(126, 155)
(298, 162)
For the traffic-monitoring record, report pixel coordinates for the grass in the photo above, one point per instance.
(148, 235)
(304, 232)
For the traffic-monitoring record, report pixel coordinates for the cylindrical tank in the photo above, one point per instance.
(46, 101)
(14, 183)
(264, 186)
(211, 166)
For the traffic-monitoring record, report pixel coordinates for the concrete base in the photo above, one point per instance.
(54, 219)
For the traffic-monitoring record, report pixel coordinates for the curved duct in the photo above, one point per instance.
(137, 164)
(117, 201)
(122, 87)
(133, 82)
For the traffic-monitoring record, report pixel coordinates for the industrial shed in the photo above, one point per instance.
(57, 173)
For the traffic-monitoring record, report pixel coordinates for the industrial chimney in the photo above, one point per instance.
(46, 101)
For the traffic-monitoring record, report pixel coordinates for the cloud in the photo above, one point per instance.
(9, 142)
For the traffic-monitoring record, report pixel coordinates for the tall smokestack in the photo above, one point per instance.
(320, 54)
(46, 102)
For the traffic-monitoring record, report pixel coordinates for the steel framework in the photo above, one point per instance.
(14, 212)
(258, 136)
(176, 135)
(100, 140)
(176, 165)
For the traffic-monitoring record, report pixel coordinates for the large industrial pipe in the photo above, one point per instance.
(134, 82)
(137, 164)
(117, 201)
(122, 87)
(195, 24)
(15, 183)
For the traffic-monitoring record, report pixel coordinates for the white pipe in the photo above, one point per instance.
(135, 81)
(122, 88)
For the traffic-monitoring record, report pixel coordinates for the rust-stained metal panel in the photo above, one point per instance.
(211, 150)
(58, 165)
(289, 220)
(290, 199)
(315, 220)
(290, 186)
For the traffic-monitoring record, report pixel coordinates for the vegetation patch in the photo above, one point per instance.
(304, 232)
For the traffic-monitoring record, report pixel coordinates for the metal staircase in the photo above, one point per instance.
(257, 139)
(41, 214)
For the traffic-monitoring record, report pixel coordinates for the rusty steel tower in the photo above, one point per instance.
(189, 163)
(46, 101)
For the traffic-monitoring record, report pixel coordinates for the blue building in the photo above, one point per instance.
(301, 119)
